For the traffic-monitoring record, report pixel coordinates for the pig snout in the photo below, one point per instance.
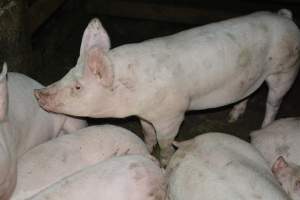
(44, 97)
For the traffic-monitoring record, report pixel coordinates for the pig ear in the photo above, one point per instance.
(279, 165)
(94, 35)
(100, 66)
(3, 93)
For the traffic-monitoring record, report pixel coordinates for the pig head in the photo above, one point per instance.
(90, 82)
(288, 176)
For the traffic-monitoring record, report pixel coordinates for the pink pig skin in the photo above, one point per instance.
(216, 166)
(158, 80)
(279, 143)
(131, 177)
(23, 125)
(70, 153)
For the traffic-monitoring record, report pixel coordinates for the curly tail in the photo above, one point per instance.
(285, 13)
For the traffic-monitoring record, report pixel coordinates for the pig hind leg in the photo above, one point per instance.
(149, 134)
(237, 111)
(166, 131)
(278, 84)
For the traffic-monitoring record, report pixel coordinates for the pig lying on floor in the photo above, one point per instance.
(160, 79)
(130, 177)
(217, 166)
(54, 160)
(279, 143)
(23, 125)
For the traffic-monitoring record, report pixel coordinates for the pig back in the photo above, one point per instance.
(281, 138)
(217, 166)
(70, 153)
(131, 177)
(215, 64)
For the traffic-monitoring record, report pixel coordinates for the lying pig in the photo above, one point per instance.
(131, 177)
(279, 143)
(160, 79)
(281, 138)
(67, 154)
(23, 125)
(217, 166)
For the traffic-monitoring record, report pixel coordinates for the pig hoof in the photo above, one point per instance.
(233, 116)
(165, 155)
(232, 119)
(150, 148)
(164, 162)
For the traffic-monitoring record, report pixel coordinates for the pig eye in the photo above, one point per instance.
(77, 86)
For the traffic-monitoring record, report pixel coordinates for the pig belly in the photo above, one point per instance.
(232, 91)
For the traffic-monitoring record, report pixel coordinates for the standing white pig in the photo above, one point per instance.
(160, 79)
(218, 166)
(23, 125)
(67, 154)
(279, 143)
(131, 177)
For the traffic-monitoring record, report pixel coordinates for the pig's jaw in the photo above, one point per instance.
(115, 108)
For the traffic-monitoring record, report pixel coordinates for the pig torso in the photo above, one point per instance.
(281, 138)
(206, 67)
(218, 166)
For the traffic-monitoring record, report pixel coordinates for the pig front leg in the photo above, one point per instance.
(237, 111)
(166, 131)
(149, 134)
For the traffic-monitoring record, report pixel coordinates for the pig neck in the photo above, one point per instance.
(124, 90)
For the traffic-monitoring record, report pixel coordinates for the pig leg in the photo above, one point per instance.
(237, 111)
(149, 134)
(278, 85)
(166, 131)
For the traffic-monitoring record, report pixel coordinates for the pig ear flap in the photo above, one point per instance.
(100, 66)
(94, 35)
(279, 165)
(3, 93)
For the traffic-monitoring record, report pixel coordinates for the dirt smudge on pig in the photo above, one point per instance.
(231, 36)
(244, 58)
